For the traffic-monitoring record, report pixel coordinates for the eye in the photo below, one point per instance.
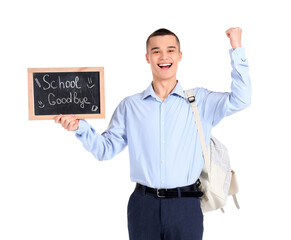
(156, 51)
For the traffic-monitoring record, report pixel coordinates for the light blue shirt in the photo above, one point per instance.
(162, 138)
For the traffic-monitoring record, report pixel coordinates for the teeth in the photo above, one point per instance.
(165, 65)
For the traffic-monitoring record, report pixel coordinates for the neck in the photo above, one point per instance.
(163, 88)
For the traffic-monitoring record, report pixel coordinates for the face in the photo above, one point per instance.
(163, 55)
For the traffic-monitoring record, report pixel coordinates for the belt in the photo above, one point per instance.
(187, 191)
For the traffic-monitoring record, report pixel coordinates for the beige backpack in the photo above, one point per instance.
(217, 179)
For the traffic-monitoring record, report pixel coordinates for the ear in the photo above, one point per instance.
(147, 58)
(180, 56)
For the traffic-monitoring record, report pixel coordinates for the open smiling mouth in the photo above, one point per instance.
(165, 65)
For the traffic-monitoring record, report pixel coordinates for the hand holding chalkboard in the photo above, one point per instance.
(77, 91)
(69, 123)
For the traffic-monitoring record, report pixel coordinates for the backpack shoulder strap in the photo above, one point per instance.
(191, 98)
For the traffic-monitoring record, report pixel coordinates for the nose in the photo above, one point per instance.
(164, 55)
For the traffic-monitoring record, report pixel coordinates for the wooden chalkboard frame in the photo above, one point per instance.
(32, 115)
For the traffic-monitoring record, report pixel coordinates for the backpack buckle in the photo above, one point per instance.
(191, 99)
(198, 183)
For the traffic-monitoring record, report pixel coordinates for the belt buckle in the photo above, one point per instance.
(158, 194)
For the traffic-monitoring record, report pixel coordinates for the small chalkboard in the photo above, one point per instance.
(77, 91)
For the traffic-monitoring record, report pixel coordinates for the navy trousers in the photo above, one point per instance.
(153, 218)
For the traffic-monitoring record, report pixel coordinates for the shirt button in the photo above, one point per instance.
(163, 142)
(163, 160)
(163, 181)
(163, 122)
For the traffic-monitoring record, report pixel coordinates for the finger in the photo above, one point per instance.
(73, 125)
(76, 125)
(233, 30)
(65, 121)
(68, 122)
(58, 118)
(228, 32)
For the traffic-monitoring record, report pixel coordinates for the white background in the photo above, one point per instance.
(51, 188)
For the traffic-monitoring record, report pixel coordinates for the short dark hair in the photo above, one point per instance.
(162, 32)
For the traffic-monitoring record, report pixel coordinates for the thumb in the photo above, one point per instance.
(76, 124)
(228, 32)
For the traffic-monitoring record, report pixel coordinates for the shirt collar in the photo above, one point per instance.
(178, 90)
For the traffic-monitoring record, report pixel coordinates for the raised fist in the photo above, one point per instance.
(234, 35)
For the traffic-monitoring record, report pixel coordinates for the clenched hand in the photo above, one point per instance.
(70, 123)
(234, 35)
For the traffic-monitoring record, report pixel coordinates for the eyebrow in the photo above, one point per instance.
(154, 48)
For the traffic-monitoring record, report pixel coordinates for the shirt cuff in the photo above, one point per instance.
(83, 125)
(238, 55)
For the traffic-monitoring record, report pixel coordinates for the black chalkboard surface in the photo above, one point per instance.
(78, 91)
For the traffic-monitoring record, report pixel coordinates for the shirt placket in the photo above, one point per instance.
(162, 137)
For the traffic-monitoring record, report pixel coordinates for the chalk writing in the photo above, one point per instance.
(52, 100)
(66, 93)
(94, 108)
(90, 83)
(37, 82)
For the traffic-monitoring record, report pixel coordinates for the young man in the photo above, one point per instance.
(164, 149)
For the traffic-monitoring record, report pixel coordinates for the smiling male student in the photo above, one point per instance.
(164, 149)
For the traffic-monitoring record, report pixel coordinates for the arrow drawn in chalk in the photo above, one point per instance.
(90, 83)
(40, 104)
(37, 82)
